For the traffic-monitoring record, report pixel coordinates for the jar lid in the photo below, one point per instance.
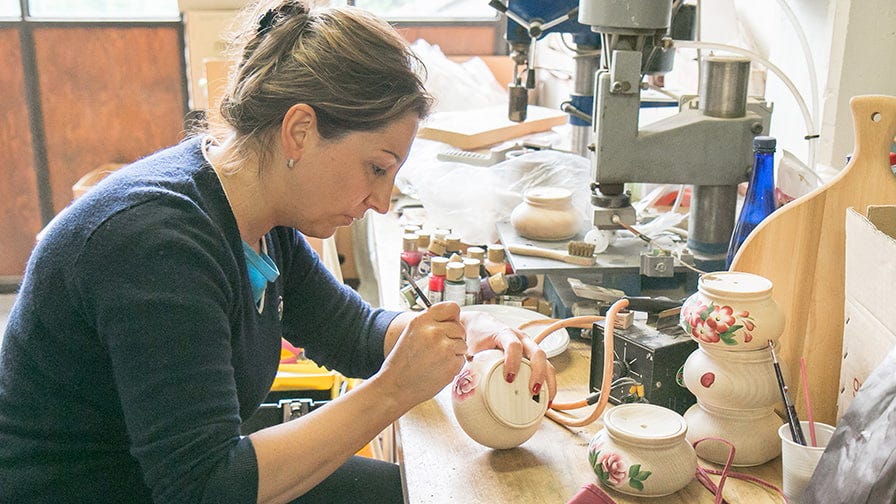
(455, 271)
(436, 247)
(476, 253)
(514, 404)
(735, 284)
(439, 266)
(409, 242)
(496, 253)
(643, 423)
(547, 194)
(422, 239)
(471, 268)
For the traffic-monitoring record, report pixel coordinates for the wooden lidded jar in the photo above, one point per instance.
(733, 311)
(491, 411)
(642, 451)
(546, 214)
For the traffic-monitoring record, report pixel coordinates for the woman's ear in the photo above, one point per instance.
(298, 122)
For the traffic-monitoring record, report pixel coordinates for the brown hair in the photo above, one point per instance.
(352, 68)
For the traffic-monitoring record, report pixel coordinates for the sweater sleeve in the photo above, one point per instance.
(158, 282)
(335, 326)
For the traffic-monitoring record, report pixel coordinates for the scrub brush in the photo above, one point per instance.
(577, 252)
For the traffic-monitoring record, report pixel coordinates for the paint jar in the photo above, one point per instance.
(546, 214)
(642, 451)
(496, 260)
(455, 288)
(491, 411)
(437, 279)
(472, 287)
(410, 256)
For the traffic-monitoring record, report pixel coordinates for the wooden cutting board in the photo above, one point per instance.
(477, 128)
(801, 249)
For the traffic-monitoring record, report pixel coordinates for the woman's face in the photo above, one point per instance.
(337, 181)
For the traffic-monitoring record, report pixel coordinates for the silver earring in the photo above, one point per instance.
(290, 163)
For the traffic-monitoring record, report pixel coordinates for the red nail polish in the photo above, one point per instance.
(536, 389)
(509, 377)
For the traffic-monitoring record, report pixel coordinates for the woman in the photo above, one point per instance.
(148, 325)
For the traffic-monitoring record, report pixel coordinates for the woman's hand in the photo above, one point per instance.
(486, 332)
(428, 353)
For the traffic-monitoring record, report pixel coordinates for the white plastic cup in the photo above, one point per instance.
(797, 461)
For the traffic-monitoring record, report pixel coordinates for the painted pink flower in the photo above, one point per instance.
(748, 337)
(748, 324)
(703, 332)
(465, 384)
(692, 313)
(721, 318)
(743, 314)
(612, 464)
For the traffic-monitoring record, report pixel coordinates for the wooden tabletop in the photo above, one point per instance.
(440, 463)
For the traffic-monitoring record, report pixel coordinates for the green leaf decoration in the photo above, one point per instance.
(634, 470)
(637, 485)
(727, 339)
(643, 476)
(733, 329)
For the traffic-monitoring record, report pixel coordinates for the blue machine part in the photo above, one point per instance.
(547, 11)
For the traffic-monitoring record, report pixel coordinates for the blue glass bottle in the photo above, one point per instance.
(760, 199)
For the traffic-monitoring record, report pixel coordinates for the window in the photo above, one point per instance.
(9, 9)
(102, 9)
(430, 10)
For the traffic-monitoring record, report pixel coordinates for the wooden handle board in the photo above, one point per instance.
(475, 129)
(801, 249)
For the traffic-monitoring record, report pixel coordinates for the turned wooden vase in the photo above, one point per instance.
(642, 450)
(733, 311)
(546, 214)
(491, 411)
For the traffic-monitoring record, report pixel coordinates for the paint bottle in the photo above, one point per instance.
(437, 279)
(455, 287)
(478, 253)
(422, 241)
(516, 284)
(492, 287)
(410, 256)
(436, 248)
(452, 245)
(759, 202)
(496, 261)
(472, 281)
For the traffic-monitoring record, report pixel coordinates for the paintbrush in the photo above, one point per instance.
(796, 430)
(426, 301)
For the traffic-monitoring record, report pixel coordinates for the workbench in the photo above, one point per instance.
(440, 463)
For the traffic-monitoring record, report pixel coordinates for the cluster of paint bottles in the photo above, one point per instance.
(448, 269)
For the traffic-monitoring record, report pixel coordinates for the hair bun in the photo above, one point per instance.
(273, 16)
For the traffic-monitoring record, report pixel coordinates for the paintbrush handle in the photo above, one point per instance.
(558, 255)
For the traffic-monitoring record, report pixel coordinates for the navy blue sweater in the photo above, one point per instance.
(134, 350)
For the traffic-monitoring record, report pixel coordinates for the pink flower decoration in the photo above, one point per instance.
(465, 384)
(748, 337)
(743, 314)
(703, 332)
(613, 465)
(721, 318)
(692, 313)
(748, 324)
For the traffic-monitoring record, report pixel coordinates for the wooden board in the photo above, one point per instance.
(801, 249)
(474, 129)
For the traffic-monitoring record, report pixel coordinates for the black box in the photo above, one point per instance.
(647, 365)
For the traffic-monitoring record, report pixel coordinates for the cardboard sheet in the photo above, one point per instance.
(869, 331)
